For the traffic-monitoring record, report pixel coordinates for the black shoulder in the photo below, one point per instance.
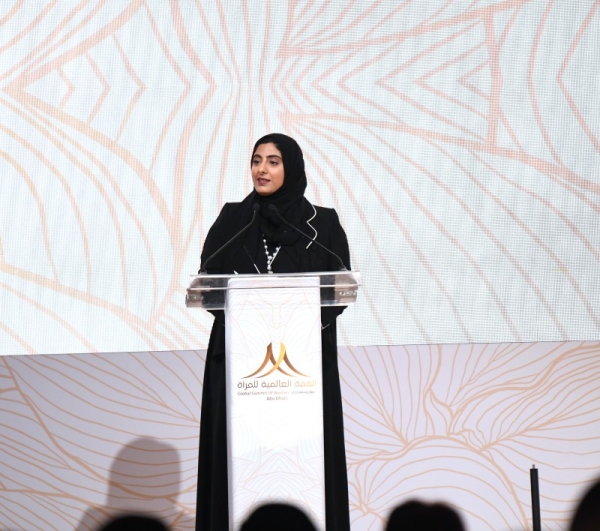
(227, 218)
(221, 230)
(329, 232)
(323, 216)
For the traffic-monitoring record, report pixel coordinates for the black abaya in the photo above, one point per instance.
(244, 256)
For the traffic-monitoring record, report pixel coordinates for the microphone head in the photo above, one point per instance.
(273, 209)
(256, 207)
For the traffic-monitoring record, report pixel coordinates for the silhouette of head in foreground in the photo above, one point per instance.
(278, 516)
(587, 515)
(134, 522)
(418, 516)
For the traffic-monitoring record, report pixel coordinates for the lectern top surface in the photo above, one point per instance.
(337, 288)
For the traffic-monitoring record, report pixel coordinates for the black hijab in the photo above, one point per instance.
(289, 199)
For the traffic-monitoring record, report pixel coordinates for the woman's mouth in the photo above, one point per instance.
(262, 182)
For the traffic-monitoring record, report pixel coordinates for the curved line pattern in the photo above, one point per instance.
(421, 126)
(457, 141)
(84, 436)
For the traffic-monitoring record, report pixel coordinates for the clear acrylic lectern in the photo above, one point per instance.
(274, 383)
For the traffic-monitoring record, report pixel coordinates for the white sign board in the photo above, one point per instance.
(274, 396)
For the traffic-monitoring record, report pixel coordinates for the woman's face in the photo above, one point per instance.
(267, 169)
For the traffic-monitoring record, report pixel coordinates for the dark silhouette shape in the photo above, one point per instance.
(587, 515)
(145, 479)
(134, 522)
(278, 516)
(419, 516)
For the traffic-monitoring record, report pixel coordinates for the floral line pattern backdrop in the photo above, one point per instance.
(457, 140)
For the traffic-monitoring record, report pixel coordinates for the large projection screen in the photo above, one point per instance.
(458, 141)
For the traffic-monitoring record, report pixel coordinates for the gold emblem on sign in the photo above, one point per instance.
(277, 363)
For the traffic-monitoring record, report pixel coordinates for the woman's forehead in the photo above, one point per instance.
(267, 150)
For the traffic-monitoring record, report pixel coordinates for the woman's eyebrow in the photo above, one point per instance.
(268, 157)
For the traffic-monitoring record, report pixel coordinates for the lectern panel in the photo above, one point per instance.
(274, 399)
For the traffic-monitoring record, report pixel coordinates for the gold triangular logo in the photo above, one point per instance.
(281, 359)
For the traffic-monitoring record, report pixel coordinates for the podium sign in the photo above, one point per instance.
(274, 395)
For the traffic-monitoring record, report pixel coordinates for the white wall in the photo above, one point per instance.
(457, 423)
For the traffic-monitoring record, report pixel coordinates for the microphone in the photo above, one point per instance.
(273, 210)
(255, 208)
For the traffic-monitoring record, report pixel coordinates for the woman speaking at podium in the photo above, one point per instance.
(272, 244)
